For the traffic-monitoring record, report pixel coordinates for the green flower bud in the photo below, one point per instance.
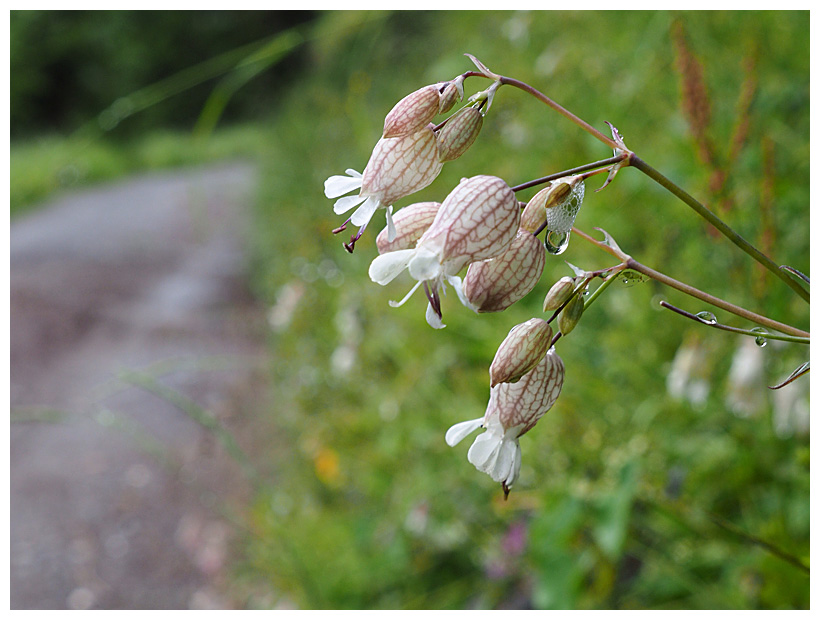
(571, 314)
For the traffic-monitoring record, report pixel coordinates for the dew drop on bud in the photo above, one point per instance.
(556, 242)
(707, 317)
(760, 339)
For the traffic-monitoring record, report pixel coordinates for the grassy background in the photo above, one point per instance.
(629, 497)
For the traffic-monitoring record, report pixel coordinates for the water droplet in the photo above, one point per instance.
(761, 339)
(556, 242)
(707, 317)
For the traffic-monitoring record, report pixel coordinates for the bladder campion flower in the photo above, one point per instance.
(513, 409)
(478, 220)
(398, 167)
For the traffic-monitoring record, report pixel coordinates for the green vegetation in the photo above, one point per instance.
(629, 496)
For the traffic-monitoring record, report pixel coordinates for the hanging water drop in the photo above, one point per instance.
(760, 339)
(556, 242)
(707, 317)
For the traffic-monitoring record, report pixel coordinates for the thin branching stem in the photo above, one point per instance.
(734, 330)
(714, 220)
(631, 263)
(572, 171)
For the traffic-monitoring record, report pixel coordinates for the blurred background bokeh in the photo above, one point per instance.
(666, 476)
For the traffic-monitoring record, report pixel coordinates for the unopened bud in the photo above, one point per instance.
(452, 92)
(559, 293)
(412, 113)
(459, 133)
(523, 348)
(534, 214)
(571, 314)
(495, 284)
(410, 223)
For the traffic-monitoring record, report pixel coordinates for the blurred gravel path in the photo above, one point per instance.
(116, 493)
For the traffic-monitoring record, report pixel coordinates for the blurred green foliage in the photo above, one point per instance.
(629, 497)
(68, 66)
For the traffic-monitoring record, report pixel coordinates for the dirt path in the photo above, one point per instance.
(123, 299)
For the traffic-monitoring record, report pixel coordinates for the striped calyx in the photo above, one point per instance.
(401, 166)
(459, 133)
(523, 348)
(412, 113)
(410, 223)
(524, 403)
(477, 220)
(497, 283)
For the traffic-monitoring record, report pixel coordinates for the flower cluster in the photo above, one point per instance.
(479, 226)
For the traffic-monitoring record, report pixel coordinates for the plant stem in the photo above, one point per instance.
(735, 330)
(560, 109)
(570, 172)
(714, 220)
(631, 263)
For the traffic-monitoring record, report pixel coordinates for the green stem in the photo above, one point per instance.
(714, 220)
(607, 281)
(735, 330)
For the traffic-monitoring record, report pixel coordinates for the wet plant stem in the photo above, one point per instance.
(734, 330)
(714, 220)
(637, 162)
(631, 263)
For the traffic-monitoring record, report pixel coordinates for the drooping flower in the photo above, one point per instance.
(477, 220)
(513, 409)
(397, 167)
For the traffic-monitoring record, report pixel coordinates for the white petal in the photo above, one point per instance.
(425, 265)
(484, 452)
(353, 173)
(509, 462)
(396, 304)
(391, 227)
(339, 185)
(433, 319)
(459, 431)
(363, 214)
(455, 282)
(387, 266)
(345, 204)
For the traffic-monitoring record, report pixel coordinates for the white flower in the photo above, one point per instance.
(397, 167)
(514, 408)
(478, 220)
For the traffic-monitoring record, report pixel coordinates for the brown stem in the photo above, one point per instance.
(631, 263)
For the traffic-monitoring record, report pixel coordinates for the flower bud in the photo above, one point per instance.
(454, 90)
(495, 284)
(523, 348)
(410, 223)
(571, 314)
(459, 133)
(559, 293)
(412, 113)
(534, 214)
